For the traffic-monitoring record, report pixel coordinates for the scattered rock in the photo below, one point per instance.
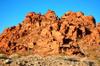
(7, 61)
(51, 61)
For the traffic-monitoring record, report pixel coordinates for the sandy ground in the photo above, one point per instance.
(36, 60)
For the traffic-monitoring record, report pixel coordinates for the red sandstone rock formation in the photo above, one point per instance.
(72, 34)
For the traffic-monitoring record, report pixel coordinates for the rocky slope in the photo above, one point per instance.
(72, 34)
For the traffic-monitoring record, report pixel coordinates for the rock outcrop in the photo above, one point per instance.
(72, 34)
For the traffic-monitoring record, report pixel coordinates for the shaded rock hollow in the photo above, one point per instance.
(72, 34)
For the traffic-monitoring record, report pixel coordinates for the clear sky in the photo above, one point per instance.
(13, 12)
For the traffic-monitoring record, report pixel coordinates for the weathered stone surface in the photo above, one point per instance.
(72, 34)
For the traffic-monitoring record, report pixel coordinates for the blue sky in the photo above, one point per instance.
(13, 12)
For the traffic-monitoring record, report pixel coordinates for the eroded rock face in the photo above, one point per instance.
(47, 34)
